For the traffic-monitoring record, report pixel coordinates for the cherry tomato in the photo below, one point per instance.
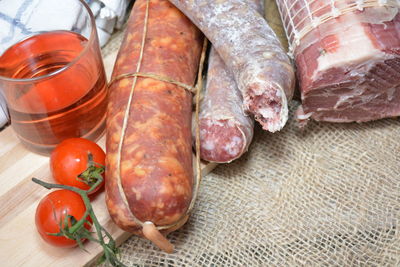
(52, 210)
(70, 163)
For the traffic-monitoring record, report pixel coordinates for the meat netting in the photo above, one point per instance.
(300, 17)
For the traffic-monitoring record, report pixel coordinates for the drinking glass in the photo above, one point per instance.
(51, 71)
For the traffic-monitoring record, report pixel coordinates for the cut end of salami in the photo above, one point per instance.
(270, 107)
(221, 141)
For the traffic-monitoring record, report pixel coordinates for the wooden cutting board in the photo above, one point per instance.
(20, 244)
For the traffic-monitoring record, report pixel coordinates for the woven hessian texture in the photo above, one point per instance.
(328, 195)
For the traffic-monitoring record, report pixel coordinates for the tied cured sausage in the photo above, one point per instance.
(226, 130)
(251, 50)
(149, 163)
(149, 157)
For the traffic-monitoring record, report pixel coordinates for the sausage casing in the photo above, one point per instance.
(149, 173)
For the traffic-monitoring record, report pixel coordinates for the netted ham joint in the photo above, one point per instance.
(348, 58)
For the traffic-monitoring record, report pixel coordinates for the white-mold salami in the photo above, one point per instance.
(225, 130)
(252, 52)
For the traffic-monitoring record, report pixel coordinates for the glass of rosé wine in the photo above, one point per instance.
(51, 71)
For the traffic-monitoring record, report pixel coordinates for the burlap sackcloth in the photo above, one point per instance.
(328, 195)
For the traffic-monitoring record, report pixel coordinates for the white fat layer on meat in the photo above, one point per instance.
(232, 147)
(358, 92)
(214, 122)
(360, 4)
(351, 51)
(208, 144)
(304, 116)
(270, 113)
(203, 132)
(390, 93)
(374, 15)
(267, 113)
(382, 2)
(355, 55)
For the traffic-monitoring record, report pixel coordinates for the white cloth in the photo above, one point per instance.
(109, 14)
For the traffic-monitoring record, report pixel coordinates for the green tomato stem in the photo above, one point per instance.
(108, 248)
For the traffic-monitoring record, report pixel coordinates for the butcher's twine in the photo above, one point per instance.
(328, 195)
(195, 90)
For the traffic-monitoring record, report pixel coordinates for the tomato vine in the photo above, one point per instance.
(104, 238)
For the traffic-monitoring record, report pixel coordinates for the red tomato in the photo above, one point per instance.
(52, 210)
(70, 159)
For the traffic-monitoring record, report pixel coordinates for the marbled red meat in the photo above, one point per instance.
(347, 55)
